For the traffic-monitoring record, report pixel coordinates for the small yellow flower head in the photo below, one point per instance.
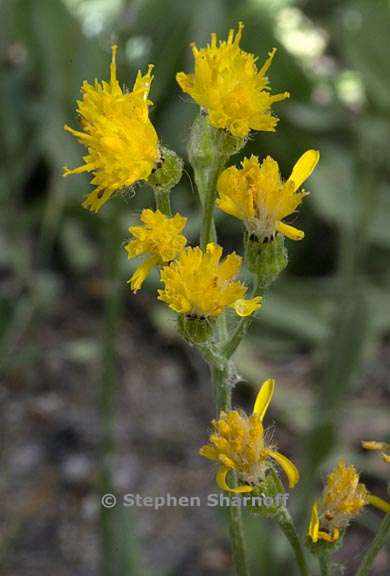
(121, 141)
(227, 83)
(238, 443)
(342, 500)
(198, 284)
(382, 446)
(257, 194)
(159, 238)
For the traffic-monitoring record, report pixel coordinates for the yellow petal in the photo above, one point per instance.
(289, 231)
(386, 458)
(221, 481)
(373, 445)
(247, 307)
(304, 167)
(263, 398)
(379, 503)
(314, 524)
(329, 537)
(285, 463)
(142, 272)
(209, 452)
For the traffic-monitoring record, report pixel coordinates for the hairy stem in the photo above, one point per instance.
(375, 546)
(287, 525)
(323, 561)
(163, 201)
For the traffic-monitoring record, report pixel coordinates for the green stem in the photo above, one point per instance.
(241, 328)
(287, 525)
(375, 546)
(163, 201)
(223, 402)
(323, 561)
(209, 193)
(108, 384)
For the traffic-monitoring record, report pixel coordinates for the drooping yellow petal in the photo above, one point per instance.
(335, 535)
(142, 272)
(285, 463)
(263, 398)
(221, 481)
(386, 458)
(304, 167)
(314, 524)
(289, 231)
(247, 307)
(379, 503)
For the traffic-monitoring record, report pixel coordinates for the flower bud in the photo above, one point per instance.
(207, 143)
(196, 329)
(168, 171)
(266, 259)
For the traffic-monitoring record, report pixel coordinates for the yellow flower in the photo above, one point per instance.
(121, 141)
(257, 194)
(198, 284)
(159, 238)
(238, 443)
(343, 499)
(227, 83)
(383, 446)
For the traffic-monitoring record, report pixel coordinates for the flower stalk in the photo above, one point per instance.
(377, 543)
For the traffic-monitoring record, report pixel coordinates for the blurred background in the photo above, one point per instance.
(88, 370)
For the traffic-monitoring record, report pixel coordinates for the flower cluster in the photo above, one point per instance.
(197, 282)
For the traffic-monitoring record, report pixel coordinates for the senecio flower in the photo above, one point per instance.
(198, 284)
(238, 443)
(121, 141)
(342, 500)
(159, 238)
(227, 83)
(382, 446)
(257, 194)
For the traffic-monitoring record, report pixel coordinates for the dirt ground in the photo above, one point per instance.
(50, 438)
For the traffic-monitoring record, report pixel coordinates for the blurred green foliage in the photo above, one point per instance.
(333, 56)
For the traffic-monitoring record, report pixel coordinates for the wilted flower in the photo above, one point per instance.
(343, 499)
(238, 443)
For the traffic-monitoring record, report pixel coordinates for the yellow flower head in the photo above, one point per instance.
(238, 443)
(227, 83)
(121, 141)
(159, 238)
(257, 194)
(382, 446)
(198, 284)
(342, 500)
